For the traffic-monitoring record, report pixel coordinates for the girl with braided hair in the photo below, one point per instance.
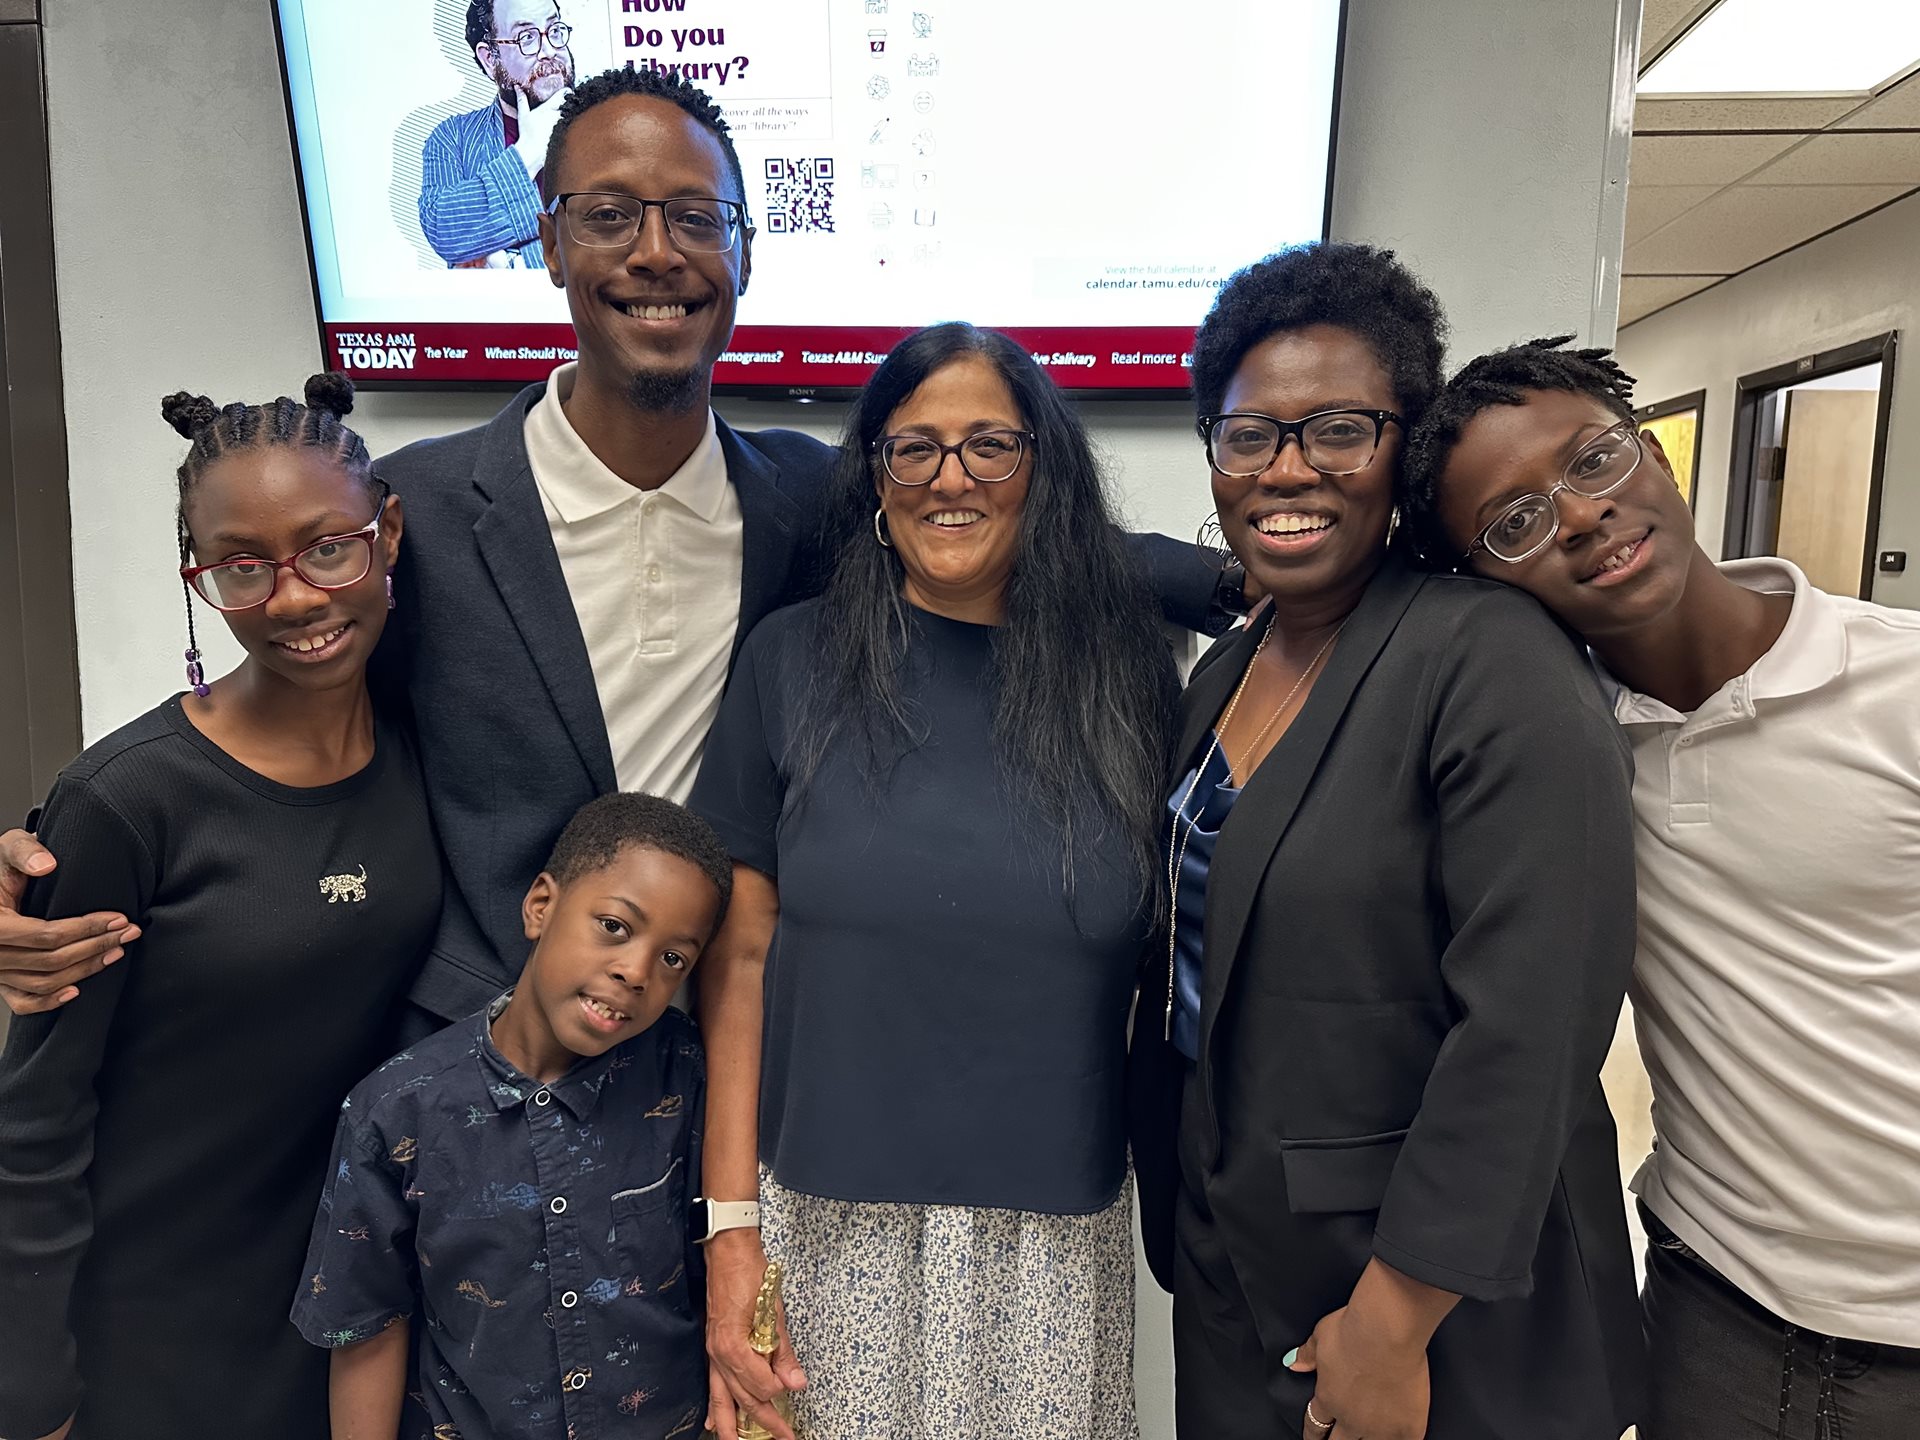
(163, 1137)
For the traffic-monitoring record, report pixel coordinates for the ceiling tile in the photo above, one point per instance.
(1661, 22)
(1641, 295)
(1899, 105)
(1837, 158)
(1651, 206)
(1702, 159)
(1745, 224)
(1652, 115)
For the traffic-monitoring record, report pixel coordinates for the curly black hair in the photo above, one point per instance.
(1501, 378)
(648, 84)
(602, 829)
(1357, 287)
(479, 28)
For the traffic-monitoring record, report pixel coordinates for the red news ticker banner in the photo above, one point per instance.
(1077, 357)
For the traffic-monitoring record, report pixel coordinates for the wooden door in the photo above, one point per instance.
(1826, 486)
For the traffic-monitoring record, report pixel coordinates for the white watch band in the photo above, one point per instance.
(730, 1215)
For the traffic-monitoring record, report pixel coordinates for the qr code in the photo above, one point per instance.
(800, 196)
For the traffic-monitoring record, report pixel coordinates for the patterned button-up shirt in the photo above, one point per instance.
(535, 1236)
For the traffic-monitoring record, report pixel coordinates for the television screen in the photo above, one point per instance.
(1083, 177)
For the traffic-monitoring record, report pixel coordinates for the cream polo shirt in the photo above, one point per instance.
(655, 581)
(1776, 990)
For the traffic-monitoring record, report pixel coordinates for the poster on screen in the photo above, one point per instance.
(1083, 177)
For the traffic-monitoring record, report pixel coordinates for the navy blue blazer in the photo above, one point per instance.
(487, 652)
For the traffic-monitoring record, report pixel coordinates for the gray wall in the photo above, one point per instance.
(1484, 139)
(1851, 285)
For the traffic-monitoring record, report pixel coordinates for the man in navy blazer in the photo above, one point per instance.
(511, 733)
(488, 645)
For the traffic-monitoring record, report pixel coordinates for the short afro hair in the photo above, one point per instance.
(646, 84)
(601, 830)
(1501, 378)
(1356, 287)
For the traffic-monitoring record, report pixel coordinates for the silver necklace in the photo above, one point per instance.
(1177, 857)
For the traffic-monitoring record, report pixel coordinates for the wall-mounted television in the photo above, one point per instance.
(1081, 176)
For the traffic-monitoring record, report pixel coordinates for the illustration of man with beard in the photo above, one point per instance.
(480, 172)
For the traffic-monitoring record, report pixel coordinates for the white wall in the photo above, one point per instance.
(1484, 139)
(1856, 283)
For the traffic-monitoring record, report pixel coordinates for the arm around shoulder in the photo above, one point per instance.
(48, 948)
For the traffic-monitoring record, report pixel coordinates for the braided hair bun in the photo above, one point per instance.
(188, 414)
(330, 391)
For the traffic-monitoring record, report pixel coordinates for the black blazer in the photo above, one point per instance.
(1420, 920)
(487, 652)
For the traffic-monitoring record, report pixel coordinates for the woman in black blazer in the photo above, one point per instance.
(1376, 1167)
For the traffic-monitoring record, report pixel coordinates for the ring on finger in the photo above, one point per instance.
(1315, 1421)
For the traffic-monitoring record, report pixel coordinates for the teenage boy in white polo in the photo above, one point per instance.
(1776, 734)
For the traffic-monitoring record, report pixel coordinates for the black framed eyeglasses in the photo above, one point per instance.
(1528, 525)
(527, 42)
(606, 220)
(988, 456)
(331, 563)
(1243, 443)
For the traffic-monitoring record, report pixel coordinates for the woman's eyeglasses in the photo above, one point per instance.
(332, 563)
(987, 456)
(1528, 525)
(1243, 443)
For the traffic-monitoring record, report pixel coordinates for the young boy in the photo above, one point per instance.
(1776, 732)
(502, 1248)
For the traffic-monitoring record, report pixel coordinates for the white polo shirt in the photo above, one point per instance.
(1777, 987)
(655, 581)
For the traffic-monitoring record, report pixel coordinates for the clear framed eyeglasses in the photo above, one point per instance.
(1528, 525)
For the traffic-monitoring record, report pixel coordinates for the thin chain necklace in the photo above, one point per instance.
(1177, 856)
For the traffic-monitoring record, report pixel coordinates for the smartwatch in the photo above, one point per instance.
(710, 1217)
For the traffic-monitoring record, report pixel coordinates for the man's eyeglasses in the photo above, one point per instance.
(528, 41)
(332, 563)
(1528, 525)
(608, 221)
(988, 456)
(1243, 443)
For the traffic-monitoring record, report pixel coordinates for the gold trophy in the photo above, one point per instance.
(764, 1338)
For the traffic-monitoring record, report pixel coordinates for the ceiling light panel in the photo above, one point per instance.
(1788, 47)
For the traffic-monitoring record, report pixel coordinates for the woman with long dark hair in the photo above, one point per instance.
(939, 784)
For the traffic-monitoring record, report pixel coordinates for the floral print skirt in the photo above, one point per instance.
(937, 1322)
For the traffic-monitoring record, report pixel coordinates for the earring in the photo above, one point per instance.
(392, 604)
(878, 533)
(196, 675)
(1210, 536)
(1393, 525)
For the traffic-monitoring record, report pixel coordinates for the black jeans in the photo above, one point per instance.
(1727, 1368)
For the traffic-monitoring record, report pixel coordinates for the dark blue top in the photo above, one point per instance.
(1203, 797)
(945, 1025)
(535, 1235)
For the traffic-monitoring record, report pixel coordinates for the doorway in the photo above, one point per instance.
(1809, 446)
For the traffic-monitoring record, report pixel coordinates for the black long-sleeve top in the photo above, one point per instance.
(163, 1137)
